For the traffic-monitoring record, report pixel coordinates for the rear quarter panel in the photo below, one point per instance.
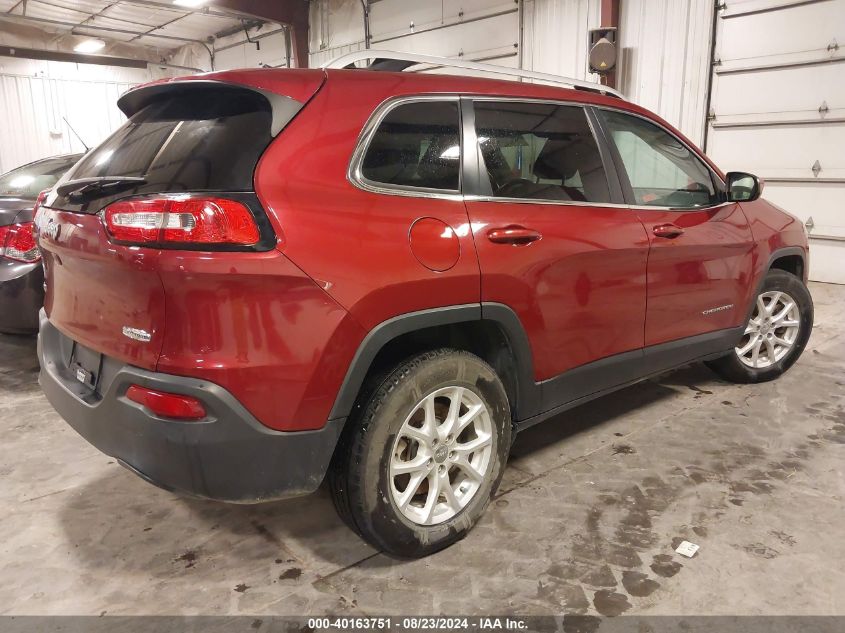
(256, 324)
(355, 243)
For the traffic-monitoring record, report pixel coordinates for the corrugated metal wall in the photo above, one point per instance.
(556, 36)
(665, 43)
(34, 96)
(665, 59)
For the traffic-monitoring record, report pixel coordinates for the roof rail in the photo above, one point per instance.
(397, 62)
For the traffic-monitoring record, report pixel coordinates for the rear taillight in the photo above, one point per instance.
(186, 220)
(167, 405)
(17, 242)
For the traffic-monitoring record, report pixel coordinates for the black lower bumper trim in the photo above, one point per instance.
(228, 456)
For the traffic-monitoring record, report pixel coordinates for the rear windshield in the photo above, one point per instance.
(30, 180)
(202, 140)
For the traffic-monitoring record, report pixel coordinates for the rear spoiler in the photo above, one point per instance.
(283, 108)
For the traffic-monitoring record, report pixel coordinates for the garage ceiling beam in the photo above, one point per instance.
(73, 26)
(292, 14)
(108, 29)
(144, 3)
(100, 14)
(16, 5)
(152, 30)
(58, 56)
(217, 13)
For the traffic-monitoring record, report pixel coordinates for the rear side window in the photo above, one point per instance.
(196, 141)
(416, 145)
(663, 172)
(540, 151)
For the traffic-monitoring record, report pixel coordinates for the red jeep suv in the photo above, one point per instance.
(267, 277)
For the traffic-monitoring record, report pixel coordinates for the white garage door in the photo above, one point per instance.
(778, 110)
(481, 30)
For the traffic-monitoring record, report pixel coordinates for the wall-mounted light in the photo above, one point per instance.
(89, 46)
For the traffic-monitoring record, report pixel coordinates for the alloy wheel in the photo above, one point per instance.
(442, 455)
(772, 331)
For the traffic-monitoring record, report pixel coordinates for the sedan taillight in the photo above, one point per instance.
(17, 242)
(189, 220)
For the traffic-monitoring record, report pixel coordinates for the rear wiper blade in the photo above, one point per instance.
(80, 187)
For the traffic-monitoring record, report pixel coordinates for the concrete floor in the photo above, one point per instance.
(585, 521)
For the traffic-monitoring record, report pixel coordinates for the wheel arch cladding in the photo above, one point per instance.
(789, 259)
(792, 263)
(491, 331)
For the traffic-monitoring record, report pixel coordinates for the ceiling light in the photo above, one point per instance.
(89, 46)
(189, 3)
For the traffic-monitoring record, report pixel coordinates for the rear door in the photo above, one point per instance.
(197, 137)
(700, 262)
(553, 244)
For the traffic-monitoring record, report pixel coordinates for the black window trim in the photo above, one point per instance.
(622, 172)
(355, 174)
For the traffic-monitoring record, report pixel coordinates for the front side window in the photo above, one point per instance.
(540, 151)
(663, 172)
(416, 145)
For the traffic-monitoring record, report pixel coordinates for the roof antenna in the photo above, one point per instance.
(70, 127)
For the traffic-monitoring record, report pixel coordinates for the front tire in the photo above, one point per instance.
(417, 468)
(775, 335)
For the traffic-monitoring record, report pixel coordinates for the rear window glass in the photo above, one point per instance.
(202, 140)
(30, 180)
(416, 145)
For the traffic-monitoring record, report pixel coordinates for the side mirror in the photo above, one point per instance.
(743, 187)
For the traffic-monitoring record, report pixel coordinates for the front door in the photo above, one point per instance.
(700, 264)
(552, 245)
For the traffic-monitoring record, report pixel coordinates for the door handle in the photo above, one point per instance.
(668, 231)
(516, 235)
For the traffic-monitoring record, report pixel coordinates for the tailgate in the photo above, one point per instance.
(183, 138)
(106, 297)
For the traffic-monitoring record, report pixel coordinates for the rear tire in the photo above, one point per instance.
(418, 464)
(776, 333)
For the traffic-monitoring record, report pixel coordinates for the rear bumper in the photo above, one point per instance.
(228, 456)
(21, 296)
